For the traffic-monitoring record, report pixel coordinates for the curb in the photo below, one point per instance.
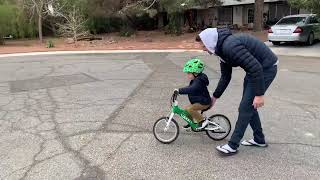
(98, 52)
(277, 51)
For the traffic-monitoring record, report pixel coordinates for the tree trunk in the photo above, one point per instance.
(39, 9)
(40, 27)
(53, 28)
(1, 40)
(258, 15)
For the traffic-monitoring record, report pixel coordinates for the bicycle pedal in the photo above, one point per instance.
(198, 130)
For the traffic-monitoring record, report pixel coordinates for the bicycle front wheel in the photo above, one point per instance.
(164, 132)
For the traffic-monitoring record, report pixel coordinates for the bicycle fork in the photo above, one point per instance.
(169, 121)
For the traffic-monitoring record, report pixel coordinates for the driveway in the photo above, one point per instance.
(296, 50)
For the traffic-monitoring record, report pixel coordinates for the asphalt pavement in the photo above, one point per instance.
(91, 117)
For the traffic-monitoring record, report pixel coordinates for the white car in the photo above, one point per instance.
(296, 28)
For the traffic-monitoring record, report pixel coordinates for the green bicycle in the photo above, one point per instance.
(166, 129)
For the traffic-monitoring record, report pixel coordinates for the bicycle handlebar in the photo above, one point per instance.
(174, 97)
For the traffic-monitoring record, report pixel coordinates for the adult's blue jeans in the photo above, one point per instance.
(247, 113)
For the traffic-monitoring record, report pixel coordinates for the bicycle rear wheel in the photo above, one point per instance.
(219, 127)
(164, 132)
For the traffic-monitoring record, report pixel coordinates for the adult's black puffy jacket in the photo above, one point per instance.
(247, 52)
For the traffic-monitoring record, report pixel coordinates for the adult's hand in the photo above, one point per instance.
(258, 102)
(213, 101)
(176, 91)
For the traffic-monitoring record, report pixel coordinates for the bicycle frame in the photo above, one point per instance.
(183, 114)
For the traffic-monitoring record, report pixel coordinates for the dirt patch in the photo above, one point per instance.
(142, 40)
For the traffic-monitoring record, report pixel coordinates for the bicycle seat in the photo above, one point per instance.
(202, 111)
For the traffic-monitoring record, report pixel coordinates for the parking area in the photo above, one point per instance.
(296, 49)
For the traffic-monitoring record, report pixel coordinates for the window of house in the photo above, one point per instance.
(225, 15)
(250, 15)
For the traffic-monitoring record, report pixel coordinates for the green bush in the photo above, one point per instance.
(144, 22)
(98, 25)
(13, 21)
(126, 30)
(6, 23)
(175, 23)
(50, 44)
(24, 27)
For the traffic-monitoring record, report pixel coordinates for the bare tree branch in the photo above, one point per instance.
(73, 26)
(154, 1)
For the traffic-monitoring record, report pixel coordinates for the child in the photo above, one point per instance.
(197, 91)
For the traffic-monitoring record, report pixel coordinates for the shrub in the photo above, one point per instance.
(174, 26)
(126, 30)
(98, 25)
(6, 23)
(50, 44)
(13, 21)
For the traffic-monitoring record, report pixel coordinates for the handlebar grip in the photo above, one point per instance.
(174, 97)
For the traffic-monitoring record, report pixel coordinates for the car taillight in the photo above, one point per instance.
(298, 30)
(270, 30)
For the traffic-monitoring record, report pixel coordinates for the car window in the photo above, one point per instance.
(292, 20)
(313, 20)
(310, 20)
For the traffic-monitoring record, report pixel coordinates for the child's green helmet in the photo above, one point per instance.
(194, 66)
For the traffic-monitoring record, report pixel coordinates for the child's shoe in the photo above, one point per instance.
(186, 126)
(203, 124)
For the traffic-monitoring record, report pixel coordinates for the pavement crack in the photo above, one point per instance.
(83, 132)
(85, 163)
(132, 126)
(35, 162)
(11, 173)
(112, 154)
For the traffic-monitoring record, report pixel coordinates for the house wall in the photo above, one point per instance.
(225, 15)
(272, 11)
(279, 10)
(238, 15)
(245, 13)
(244, 16)
(209, 16)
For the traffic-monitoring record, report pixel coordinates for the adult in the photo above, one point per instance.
(260, 65)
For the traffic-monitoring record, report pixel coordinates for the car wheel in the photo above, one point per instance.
(310, 39)
(276, 43)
